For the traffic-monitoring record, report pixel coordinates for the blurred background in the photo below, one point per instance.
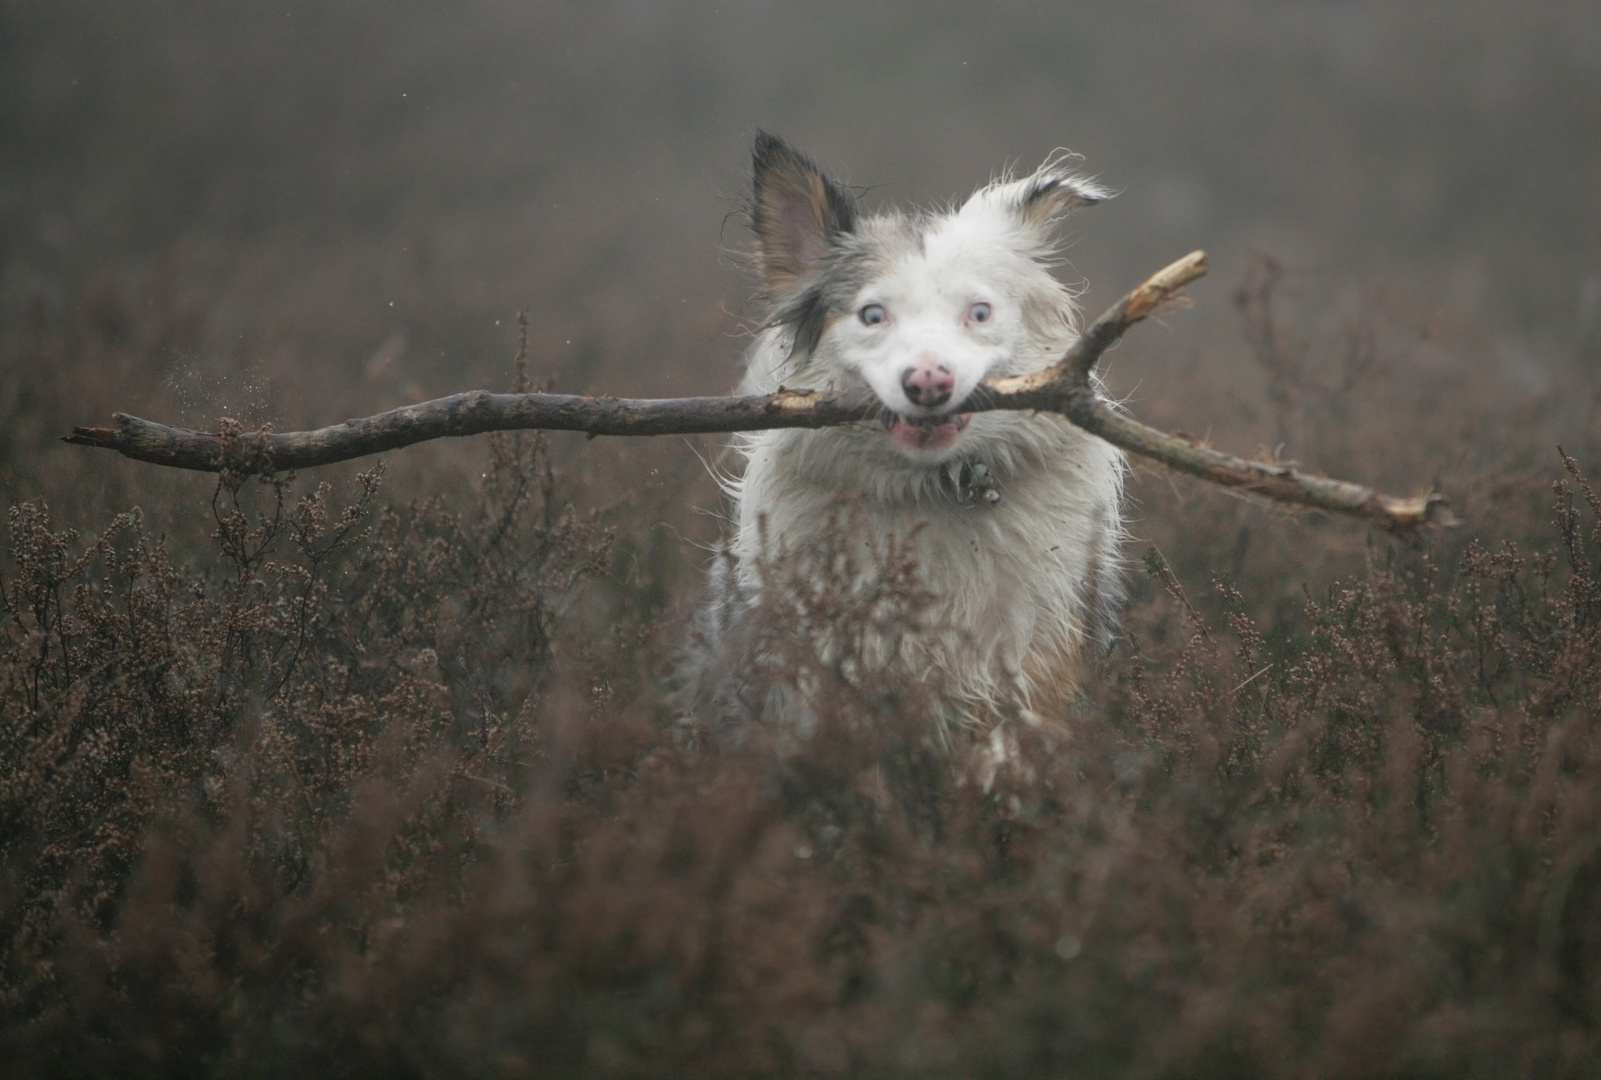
(293, 213)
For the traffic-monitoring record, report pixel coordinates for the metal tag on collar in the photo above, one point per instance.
(975, 486)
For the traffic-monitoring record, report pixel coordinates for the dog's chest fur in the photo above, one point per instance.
(1021, 570)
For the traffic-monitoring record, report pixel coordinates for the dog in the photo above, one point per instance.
(1004, 527)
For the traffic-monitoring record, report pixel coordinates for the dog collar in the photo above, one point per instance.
(974, 485)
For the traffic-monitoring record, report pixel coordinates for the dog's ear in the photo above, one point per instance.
(797, 214)
(1038, 201)
(1055, 190)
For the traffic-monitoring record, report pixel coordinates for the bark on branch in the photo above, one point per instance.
(1065, 387)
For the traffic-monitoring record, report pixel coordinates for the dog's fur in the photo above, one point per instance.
(1012, 519)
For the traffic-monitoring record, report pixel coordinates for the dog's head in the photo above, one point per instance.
(920, 307)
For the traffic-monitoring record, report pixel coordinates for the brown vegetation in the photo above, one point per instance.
(380, 789)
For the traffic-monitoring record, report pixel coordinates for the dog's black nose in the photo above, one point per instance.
(928, 385)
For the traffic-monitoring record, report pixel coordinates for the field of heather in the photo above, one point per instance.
(373, 770)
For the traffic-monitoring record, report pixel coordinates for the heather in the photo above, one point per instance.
(366, 790)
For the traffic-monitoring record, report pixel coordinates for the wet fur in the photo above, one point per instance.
(1015, 530)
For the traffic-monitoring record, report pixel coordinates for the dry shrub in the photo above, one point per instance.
(321, 694)
(361, 788)
(344, 804)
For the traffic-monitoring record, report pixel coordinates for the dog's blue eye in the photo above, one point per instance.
(980, 312)
(872, 314)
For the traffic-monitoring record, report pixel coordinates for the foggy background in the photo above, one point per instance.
(298, 212)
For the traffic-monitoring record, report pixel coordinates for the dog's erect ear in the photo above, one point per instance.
(797, 214)
(1037, 202)
(1056, 189)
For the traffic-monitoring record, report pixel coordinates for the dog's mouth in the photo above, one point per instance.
(927, 433)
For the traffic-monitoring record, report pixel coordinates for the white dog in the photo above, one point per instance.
(1011, 519)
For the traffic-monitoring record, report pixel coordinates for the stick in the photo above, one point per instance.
(1065, 387)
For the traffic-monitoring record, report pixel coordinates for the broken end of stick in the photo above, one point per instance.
(1164, 285)
(91, 436)
(103, 437)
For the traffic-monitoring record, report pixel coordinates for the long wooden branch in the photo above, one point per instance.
(1065, 387)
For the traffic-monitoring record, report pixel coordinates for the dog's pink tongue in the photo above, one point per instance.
(928, 436)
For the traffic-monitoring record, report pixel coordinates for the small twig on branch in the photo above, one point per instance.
(1065, 387)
